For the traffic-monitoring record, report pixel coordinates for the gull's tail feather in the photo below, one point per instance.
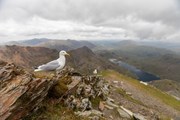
(36, 70)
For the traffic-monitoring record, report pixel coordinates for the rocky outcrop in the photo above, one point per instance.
(23, 93)
(20, 91)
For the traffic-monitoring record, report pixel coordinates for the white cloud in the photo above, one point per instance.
(63, 29)
(90, 19)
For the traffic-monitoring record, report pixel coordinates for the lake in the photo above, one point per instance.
(142, 75)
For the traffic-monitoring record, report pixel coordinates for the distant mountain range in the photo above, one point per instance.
(82, 59)
(173, 46)
(52, 43)
(159, 61)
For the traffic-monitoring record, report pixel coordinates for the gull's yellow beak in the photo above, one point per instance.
(67, 54)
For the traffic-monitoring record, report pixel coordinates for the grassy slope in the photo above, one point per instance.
(169, 86)
(165, 98)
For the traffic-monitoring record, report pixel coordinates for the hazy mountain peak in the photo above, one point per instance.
(85, 49)
(53, 43)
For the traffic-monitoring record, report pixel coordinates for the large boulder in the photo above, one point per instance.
(20, 91)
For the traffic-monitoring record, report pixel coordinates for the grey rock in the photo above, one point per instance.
(109, 107)
(123, 114)
(139, 117)
(84, 113)
(110, 99)
(126, 110)
(96, 112)
(115, 82)
(86, 104)
(88, 113)
(94, 118)
(112, 104)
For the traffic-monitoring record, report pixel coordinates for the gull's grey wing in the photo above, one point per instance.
(54, 62)
(49, 66)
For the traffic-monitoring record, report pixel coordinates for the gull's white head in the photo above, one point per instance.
(63, 53)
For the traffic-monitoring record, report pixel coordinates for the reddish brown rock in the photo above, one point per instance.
(20, 92)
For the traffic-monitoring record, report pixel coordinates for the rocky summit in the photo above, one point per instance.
(66, 95)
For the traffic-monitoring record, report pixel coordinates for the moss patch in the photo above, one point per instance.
(95, 102)
(58, 90)
(61, 87)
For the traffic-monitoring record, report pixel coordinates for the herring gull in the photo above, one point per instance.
(55, 64)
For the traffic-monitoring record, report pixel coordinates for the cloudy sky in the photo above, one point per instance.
(90, 19)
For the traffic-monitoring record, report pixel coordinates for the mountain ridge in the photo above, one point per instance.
(83, 59)
(57, 44)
